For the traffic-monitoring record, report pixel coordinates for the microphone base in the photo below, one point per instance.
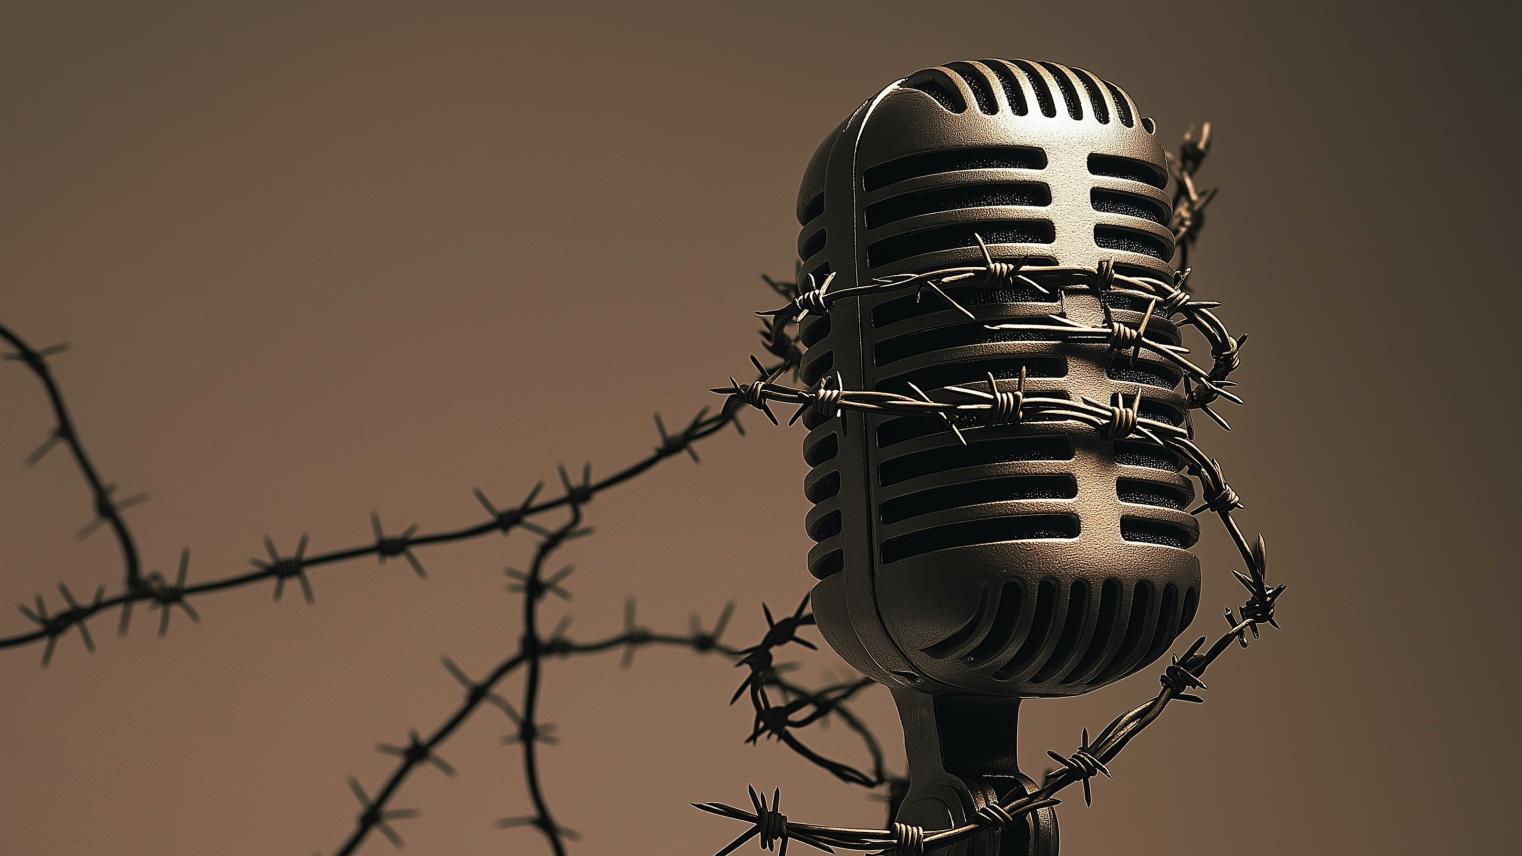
(961, 752)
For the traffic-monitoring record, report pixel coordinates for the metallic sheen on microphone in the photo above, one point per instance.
(1039, 559)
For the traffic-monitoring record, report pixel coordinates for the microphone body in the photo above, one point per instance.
(1039, 559)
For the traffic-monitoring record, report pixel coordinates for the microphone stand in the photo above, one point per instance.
(961, 751)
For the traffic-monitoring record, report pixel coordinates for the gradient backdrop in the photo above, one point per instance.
(328, 258)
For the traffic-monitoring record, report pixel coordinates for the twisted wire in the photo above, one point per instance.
(155, 590)
(1184, 674)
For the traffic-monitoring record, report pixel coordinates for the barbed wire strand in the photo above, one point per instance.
(994, 406)
(107, 508)
(158, 591)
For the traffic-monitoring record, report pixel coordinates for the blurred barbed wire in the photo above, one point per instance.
(781, 710)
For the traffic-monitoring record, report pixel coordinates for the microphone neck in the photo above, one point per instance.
(962, 735)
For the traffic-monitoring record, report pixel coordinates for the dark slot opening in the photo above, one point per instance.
(1144, 372)
(1140, 453)
(955, 199)
(1041, 625)
(958, 336)
(1109, 611)
(813, 329)
(1012, 91)
(1131, 241)
(951, 160)
(1069, 93)
(817, 365)
(976, 371)
(814, 244)
(1143, 492)
(1129, 204)
(1137, 627)
(1007, 489)
(1142, 530)
(1096, 96)
(999, 451)
(1167, 627)
(811, 209)
(904, 308)
(821, 451)
(1160, 412)
(989, 531)
(1038, 83)
(957, 235)
(1072, 625)
(981, 91)
(825, 526)
(1121, 107)
(828, 565)
(824, 488)
(962, 635)
(946, 96)
(1191, 603)
(1112, 166)
(1006, 622)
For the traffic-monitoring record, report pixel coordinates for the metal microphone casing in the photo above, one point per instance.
(1040, 559)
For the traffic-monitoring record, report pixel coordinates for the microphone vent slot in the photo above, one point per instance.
(951, 160)
(1129, 205)
(1038, 82)
(1143, 492)
(827, 565)
(1072, 627)
(962, 495)
(1014, 94)
(1141, 453)
(827, 526)
(984, 451)
(1144, 372)
(1112, 166)
(1097, 100)
(823, 489)
(981, 91)
(1139, 625)
(904, 308)
(1147, 531)
(812, 245)
(822, 450)
(1131, 241)
(811, 209)
(1005, 624)
(970, 533)
(958, 236)
(1122, 104)
(933, 82)
(922, 341)
(1065, 85)
(936, 201)
(1040, 626)
(1104, 628)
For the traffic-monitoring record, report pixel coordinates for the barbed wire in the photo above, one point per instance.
(995, 406)
(158, 591)
(764, 683)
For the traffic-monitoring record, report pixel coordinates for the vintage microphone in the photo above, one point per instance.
(1024, 560)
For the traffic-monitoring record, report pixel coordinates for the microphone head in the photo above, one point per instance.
(1040, 559)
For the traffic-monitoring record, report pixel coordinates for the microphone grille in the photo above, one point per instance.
(1039, 559)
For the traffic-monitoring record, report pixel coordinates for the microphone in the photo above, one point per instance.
(1010, 557)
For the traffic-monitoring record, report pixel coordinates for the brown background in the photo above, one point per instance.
(329, 258)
